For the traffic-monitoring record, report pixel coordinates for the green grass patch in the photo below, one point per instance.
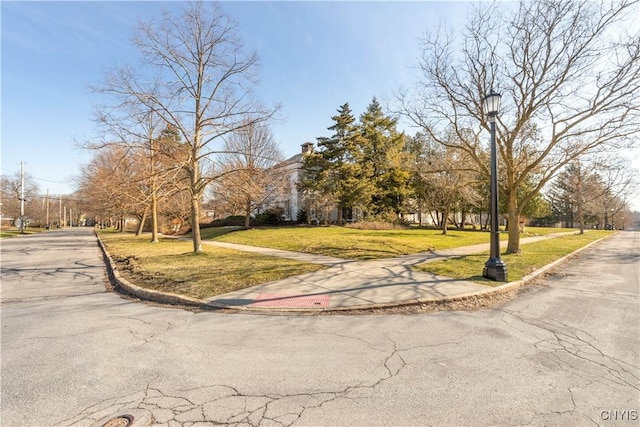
(532, 257)
(356, 244)
(171, 266)
(14, 232)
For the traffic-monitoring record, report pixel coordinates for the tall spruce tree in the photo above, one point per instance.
(387, 161)
(336, 169)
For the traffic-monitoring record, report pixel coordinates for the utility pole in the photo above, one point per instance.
(22, 197)
(47, 221)
(64, 218)
(60, 214)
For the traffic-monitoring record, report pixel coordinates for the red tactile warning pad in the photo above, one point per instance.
(280, 300)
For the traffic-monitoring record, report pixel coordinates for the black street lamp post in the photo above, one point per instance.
(494, 268)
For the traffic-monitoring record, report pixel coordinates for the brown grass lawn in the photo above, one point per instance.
(171, 266)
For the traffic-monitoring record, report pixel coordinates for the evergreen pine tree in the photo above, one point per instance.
(386, 159)
(335, 170)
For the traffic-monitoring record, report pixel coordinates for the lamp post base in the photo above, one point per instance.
(495, 269)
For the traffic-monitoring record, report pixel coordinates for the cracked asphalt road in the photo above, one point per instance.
(565, 352)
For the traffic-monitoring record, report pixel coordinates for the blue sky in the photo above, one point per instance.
(315, 56)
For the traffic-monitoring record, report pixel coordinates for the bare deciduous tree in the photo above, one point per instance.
(569, 73)
(250, 178)
(11, 192)
(451, 183)
(109, 183)
(127, 122)
(196, 77)
(616, 180)
(206, 82)
(572, 191)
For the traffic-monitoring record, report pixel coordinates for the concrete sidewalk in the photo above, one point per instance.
(356, 284)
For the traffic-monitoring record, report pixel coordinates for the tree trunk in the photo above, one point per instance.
(154, 217)
(579, 201)
(247, 214)
(142, 219)
(435, 219)
(581, 217)
(195, 208)
(195, 224)
(445, 217)
(484, 224)
(513, 245)
(154, 194)
(454, 221)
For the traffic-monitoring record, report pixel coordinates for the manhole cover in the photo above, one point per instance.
(119, 421)
(281, 300)
(125, 417)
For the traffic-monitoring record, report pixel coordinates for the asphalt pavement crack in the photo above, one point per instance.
(349, 337)
(567, 340)
(136, 319)
(225, 404)
(555, 417)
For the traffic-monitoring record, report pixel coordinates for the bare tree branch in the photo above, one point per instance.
(569, 73)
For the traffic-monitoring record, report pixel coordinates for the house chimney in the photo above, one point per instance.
(307, 148)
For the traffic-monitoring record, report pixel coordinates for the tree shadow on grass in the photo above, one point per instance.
(211, 233)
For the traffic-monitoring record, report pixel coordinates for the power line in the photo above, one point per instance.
(48, 180)
(32, 177)
(66, 199)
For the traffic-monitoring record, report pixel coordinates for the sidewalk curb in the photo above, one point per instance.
(119, 282)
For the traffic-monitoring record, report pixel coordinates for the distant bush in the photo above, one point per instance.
(270, 217)
(378, 225)
(230, 221)
(301, 218)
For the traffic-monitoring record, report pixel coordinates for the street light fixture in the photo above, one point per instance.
(494, 268)
(613, 224)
